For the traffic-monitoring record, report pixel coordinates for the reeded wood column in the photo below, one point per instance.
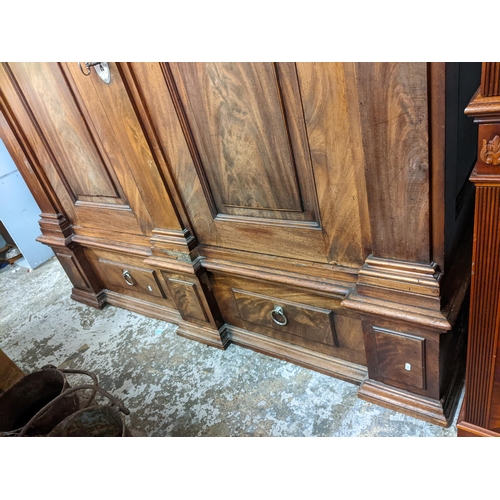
(480, 415)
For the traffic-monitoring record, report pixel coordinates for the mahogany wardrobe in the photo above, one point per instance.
(320, 213)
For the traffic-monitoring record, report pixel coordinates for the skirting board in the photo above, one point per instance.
(142, 307)
(334, 367)
(435, 412)
(214, 338)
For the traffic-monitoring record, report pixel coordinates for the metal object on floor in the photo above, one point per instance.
(27, 396)
(96, 421)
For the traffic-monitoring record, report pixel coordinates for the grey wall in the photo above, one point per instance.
(19, 212)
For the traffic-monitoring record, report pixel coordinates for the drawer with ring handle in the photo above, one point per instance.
(138, 279)
(305, 321)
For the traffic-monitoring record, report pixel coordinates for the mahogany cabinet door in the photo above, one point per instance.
(272, 172)
(98, 161)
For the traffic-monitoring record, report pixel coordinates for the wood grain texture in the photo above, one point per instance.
(108, 108)
(401, 357)
(220, 338)
(347, 326)
(393, 109)
(490, 79)
(437, 146)
(15, 143)
(54, 109)
(389, 346)
(231, 107)
(262, 235)
(464, 429)
(328, 91)
(139, 81)
(303, 321)
(139, 278)
(145, 307)
(188, 300)
(281, 179)
(60, 158)
(434, 411)
(34, 145)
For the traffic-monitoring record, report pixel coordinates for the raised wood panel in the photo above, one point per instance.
(69, 264)
(390, 345)
(188, 300)
(393, 106)
(231, 109)
(68, 163)
(401, 357)
(54, 109)
(97, 144)
(112, 115)
(43, 196)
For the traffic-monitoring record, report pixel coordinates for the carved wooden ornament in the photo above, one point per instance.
(490, 152)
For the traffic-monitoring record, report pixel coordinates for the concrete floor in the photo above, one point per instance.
(178, 387)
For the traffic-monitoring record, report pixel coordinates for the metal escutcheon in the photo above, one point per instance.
(101, 68)
(128, 278)
(278, 310)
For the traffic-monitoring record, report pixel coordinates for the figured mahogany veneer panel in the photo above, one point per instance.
(188, 300)
(330, 102)
(81, 162)
(111, 113)
(401, 357)
(53, 106)
(303, 321)
(394, 115)
(246, 121)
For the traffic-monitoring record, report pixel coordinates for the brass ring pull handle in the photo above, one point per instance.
(128, 278)
(278, 310)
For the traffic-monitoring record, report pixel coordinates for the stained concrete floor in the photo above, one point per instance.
(175, 386)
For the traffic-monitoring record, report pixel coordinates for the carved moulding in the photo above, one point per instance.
(490, 152)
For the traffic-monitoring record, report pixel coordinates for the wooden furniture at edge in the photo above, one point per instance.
(480, 413)
(316, 212)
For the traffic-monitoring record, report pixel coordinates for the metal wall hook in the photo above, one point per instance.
(101, 68)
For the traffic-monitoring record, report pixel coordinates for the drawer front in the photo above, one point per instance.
(304, 321)
(134, 278)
